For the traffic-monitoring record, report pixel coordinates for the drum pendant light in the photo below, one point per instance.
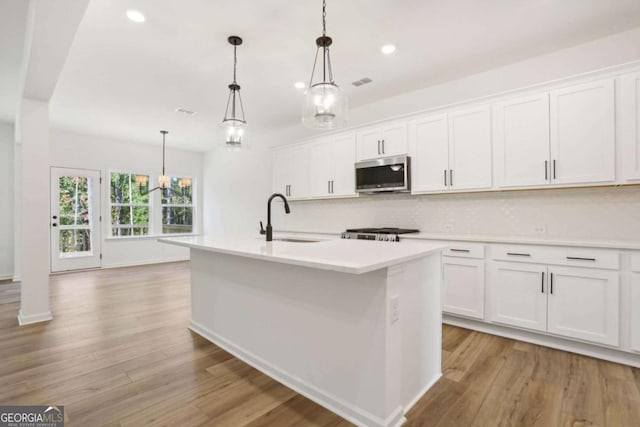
(234, 123)
(325, 104)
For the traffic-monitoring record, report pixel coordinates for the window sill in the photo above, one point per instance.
(149, 237)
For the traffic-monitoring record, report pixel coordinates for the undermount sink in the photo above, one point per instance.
(295, 240)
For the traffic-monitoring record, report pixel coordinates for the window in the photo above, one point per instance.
(177, 206)
(130, 208)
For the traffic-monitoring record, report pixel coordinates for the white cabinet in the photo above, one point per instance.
(635, 311)
(331, 166)
(521, 141)
(451, 151)
(583, 133)
(429, 148)
(291, 171)
(584, 304)
(630, 122)
(518, 294)
(383, 141)
(463, 286)
(470, 149)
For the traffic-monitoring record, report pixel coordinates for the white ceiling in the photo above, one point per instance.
(13, 19)
(125, 80)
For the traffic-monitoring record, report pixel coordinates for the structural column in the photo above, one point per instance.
(34, 220)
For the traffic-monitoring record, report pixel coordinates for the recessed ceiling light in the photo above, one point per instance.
(135, 16)
(299, 85)
(388, 49)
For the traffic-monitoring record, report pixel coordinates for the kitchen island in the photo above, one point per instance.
(353, 325)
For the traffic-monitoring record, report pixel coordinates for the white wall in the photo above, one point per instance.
(236, 190)
(92, 152)
(6, 196)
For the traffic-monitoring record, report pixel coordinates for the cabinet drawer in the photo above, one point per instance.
(635, 262)
(535, 254)
(569, 256)
(465, 250)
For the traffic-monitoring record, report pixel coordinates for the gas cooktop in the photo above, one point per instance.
(387, 234)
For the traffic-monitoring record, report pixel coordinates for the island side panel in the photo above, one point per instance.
(321, 332)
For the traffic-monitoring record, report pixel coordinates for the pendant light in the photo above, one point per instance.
(325, 104)
(234, 124)
(163, 180)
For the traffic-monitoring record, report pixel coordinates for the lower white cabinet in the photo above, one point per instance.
(635, 311)
(584, 303)
(463, 286)
(581, 303)
(518, 294)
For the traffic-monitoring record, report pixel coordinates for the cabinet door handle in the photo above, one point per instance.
(460, 250)
(551, 283)
(546, 170)
(576, 258)
(542, 282)
(383, 146)
(378, 146)
(332, 191)
(554, 169)
(517, 254)
(451, 177)
(445, 177)
(328, 186)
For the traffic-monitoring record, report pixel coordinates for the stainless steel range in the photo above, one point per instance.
(385, 234)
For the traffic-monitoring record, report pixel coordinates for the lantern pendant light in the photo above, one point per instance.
(325, 104)
(234, 123)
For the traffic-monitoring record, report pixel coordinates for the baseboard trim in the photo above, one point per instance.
(33, 318)
(558, 343)
(332, 403)
(422, 393)
(146, 262)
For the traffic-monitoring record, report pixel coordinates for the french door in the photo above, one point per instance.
(75, 219)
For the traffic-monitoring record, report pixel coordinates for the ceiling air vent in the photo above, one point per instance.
(185, 111)
(362, 81)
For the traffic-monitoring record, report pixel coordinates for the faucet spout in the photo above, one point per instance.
(286, 210)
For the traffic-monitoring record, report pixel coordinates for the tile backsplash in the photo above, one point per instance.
(611, 213)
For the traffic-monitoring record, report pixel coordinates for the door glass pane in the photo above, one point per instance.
(74, 200)
(74, 241)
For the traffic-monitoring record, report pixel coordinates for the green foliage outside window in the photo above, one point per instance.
(129, 205)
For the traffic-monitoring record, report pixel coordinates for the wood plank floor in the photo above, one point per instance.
(118, 353)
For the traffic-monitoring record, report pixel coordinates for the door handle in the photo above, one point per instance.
(332, 191)
(551, 283)
(542, 282)
(328, 186)
(55, 217)
(383, 146)
(554, 169)
(54, 225)
(451, 177)
(546, 170)
(445, 177)
(378, 146)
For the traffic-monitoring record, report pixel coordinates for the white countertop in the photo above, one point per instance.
(516, 240)
(347, 256)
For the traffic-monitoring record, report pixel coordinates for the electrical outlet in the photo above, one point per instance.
(540, 229)
(394, 309)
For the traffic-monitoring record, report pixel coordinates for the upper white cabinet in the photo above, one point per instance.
(584, 304)
(382, 141)
(291, 171)
(582, 134)
(429, 148)
(518, 294)
(521, 141)
(451, 151)
(630, 121)
(331, 166)
(470, 149)
(463, 286)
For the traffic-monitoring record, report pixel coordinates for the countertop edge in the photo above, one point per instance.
(305, 263)
(500, 240)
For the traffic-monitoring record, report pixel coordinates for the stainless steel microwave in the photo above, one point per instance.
(389, 174)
